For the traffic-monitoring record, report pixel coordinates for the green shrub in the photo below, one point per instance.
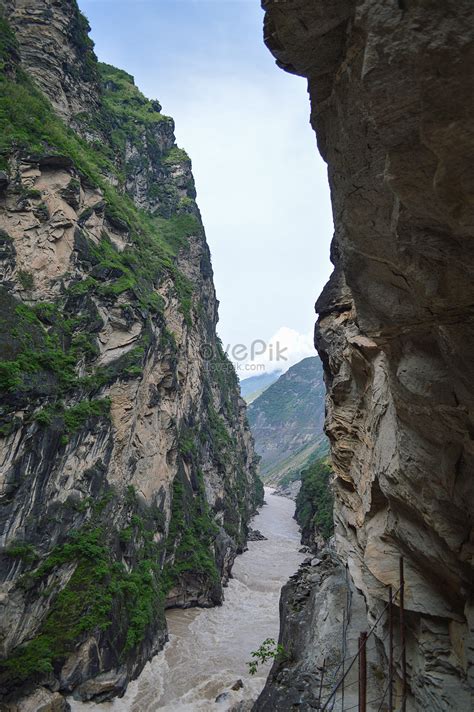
(21, 550)
(221, 442)
(269, 650)
(187, 442)
(126, 535)
(31, 349)
(76, 417)
(176, 155)
(315, 501)
(26, 279)
(44, 417)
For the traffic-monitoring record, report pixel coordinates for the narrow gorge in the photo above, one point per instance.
(129, 474)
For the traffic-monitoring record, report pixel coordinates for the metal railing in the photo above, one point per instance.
(361, 658)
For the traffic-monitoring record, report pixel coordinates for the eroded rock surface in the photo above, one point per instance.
(127, 469)
(391, 95)
(320, 608)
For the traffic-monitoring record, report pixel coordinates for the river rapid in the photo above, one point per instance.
(208, 649)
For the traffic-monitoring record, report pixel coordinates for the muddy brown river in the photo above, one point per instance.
(209, 648)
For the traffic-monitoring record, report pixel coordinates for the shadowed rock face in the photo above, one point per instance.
(127, 469)
(391, 94)
(313, 600)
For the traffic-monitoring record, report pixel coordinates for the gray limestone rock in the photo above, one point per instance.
(390, 85)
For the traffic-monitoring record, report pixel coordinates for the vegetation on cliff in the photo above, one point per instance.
(101, 595)
(30, 127)
(102, 555)
(315, 502)
(192, 531)
(48, 342)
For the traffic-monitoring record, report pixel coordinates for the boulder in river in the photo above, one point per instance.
(222, 697)
(256, 535)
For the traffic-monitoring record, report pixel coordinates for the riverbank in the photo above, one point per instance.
(208, 649)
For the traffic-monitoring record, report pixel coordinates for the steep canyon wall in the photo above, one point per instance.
(127, 469)
(391, 90)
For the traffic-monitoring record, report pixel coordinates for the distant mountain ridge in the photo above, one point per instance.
(254, 386)
(287, 421)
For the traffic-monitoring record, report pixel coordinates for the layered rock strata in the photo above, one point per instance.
(127, 469)
(390, 85)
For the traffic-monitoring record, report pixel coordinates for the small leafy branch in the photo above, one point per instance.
(269, 650)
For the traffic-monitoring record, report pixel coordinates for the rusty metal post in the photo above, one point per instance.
(363, 672)
(343, 656)
(390, 649)
(402, 636)
(321, 683)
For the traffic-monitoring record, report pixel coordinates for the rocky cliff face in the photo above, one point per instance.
(127, 473)
(390, 85)
(313, 633)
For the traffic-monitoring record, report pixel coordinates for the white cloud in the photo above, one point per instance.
(284, 349)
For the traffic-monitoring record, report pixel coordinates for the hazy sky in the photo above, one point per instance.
(261, 183)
